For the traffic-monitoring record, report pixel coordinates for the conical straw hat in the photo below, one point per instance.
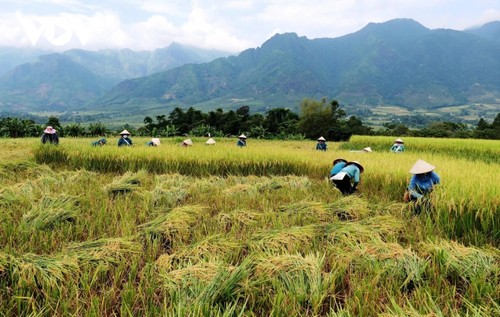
(421, 167)
(210, 141)
(49, 130)
(339, 160)
(321, 138)
(242, 136)
(188, 142)
(361, 168)
(368, 149)
(399, 141)
(124, 132)
(156, 141)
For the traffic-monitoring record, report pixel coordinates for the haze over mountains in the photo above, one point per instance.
(399, 62)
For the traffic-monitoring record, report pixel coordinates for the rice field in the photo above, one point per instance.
(257, 231)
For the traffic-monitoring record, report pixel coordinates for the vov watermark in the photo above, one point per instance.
(58, 31)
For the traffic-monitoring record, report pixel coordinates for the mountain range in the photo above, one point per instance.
(399, 62)
(69, 80)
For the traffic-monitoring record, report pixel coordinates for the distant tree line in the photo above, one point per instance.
(317, 118)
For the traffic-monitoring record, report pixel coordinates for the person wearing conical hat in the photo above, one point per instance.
(125, 139)
(210, 142)
(398, 146)
(242, 141)
(50, 136)
(338, 165)
(187, 142)
(321, 145)
(154, 142)
(422, 183)
(348, 178)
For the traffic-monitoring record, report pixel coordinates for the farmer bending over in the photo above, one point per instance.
(338, 165)
(349, 174)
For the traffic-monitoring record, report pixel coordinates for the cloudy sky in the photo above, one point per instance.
(229, 25)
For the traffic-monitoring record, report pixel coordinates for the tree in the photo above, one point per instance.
(281, 120)
(97, 129)
(74, 130)
(17, 128)
(321, 119)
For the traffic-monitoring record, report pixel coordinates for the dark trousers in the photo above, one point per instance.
(344, 185)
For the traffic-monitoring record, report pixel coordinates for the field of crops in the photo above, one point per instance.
(258, 231)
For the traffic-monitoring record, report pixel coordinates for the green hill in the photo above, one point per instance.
(399, 62)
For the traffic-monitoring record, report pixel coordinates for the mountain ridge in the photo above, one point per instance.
(398, 62)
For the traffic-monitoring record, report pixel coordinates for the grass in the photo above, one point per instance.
(253, 232)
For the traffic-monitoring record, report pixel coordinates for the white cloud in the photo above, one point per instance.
(231, 25)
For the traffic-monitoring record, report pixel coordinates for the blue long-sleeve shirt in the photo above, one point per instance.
(353, 172)
(396, 148)
(241, 143)
(124, 142)
(321, 146)
(421, 184)
(337, 168)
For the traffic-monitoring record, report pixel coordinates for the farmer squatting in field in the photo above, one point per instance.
(398, 146)
(321, 146)
(242, 141)
(421, 184)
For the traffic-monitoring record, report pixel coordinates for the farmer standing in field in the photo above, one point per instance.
(242, 141)
(421, 185)
(125, 140)
(50, 136)
(321, 145)
(338, 165)
(348, 178)
(398, 146)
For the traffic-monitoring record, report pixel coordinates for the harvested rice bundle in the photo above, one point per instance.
(462, 262)
(103, 251)
(20, 194)
(218, 247)
(202, 271)
(239, 219)
(349, 208)
(241, 188)
(268, 184)
(299, 278)
(309, 211)
(209, 184)
(175, 224)
(284, 240)
(126, 183)
(39, 272)
(171, 197)
(49, 212)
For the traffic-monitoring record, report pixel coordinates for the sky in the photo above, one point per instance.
(226, 25)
